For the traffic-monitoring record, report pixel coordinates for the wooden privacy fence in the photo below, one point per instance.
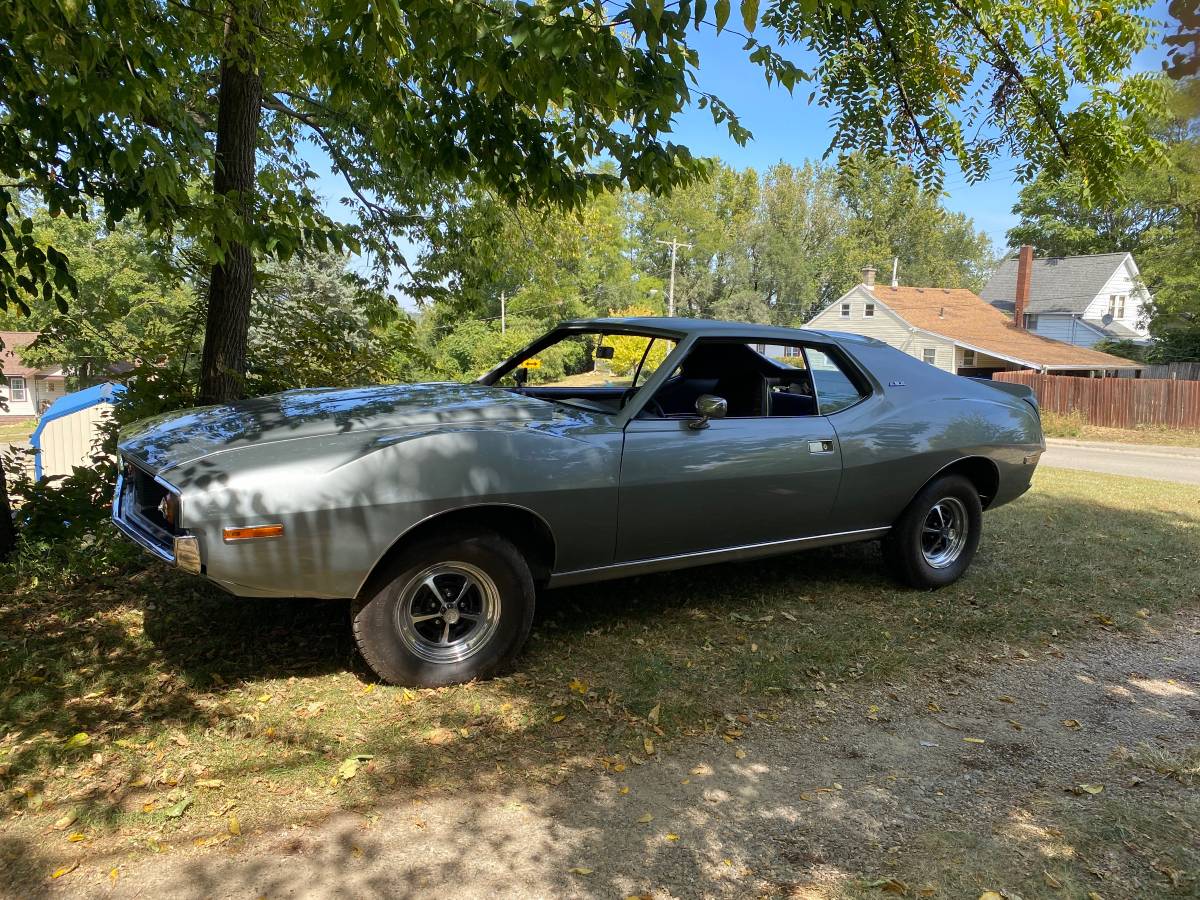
(1184, 371)
(1115, 402)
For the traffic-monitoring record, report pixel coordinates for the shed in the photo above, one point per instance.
(67, 430)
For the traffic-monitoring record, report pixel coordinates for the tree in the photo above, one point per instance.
(114, 105)
(132, 302)
(313, 323)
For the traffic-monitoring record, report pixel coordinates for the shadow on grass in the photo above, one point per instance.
(167, 677)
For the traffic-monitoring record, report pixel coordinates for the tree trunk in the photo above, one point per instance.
(8, 534)
(239, 108)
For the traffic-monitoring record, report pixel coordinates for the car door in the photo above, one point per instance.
(736, 482)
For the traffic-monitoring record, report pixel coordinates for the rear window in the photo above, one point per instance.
(835, 389)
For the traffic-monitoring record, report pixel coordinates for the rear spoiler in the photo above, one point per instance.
(1022, 391)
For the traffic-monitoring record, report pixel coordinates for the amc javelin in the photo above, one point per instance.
(607, 448)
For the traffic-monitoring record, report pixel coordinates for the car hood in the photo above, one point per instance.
(172, 439)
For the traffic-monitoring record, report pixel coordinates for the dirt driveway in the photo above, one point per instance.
(1057, 774)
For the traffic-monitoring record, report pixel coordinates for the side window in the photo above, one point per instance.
(835, 389)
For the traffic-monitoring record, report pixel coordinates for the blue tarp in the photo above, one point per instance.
(65, 406)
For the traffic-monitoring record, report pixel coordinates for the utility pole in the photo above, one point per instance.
(503, 320)
(674, 245)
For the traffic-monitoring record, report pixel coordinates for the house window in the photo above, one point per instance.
(16, 389)
(969, 358)
(1030, 322)
(791, 351)
(869, 310)
(845, 310)
(929, 355)
(1116, 306)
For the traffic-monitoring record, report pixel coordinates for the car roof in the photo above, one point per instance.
(678, 326)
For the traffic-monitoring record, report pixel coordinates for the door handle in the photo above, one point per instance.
(820, 446)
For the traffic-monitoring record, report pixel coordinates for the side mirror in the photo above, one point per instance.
(709, 407)
(520, 376)
(605, 352)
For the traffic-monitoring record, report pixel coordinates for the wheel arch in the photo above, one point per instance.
(527, 530)
(982, 472)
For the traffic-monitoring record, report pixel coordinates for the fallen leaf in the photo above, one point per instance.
(672, 837)
(178, 809)
(77, 837)
(180, 738)
(648, 746)
(991, 895)
(1091, 788)
(1051, 881)
(894, 886)
(581, 870)
(1071, 723)
(148, 806)
(75, 741)
(739, 753)
(1004, 698)
(579, 687)
(210, 783)
(974, 741)
(356, 851)
(559, 717)
(645, 819)
(264, 698)
(64, 870)
(114, 873)
(235, 827)
(67, 820)
(624, 790)
(652, 716)
(1092, 895)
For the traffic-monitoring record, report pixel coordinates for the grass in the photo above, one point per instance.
(15, 432)
(140, 709)
(1074, 425)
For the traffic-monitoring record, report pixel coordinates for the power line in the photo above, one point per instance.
(674, 245)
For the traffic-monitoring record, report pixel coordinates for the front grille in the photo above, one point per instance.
(136, 511)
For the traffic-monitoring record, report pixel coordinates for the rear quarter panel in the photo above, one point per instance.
(920, 420)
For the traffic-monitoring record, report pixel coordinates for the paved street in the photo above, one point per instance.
(1179, 464)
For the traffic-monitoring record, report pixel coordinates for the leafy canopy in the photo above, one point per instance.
(112, 105)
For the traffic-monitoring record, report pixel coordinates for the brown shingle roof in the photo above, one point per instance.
(967, 318)
(10, 362)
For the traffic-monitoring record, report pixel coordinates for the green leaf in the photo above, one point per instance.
(722, 12)
(178, 809)
(750, 14)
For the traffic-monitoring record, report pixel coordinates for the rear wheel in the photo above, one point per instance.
(446, 610)
(935, 538)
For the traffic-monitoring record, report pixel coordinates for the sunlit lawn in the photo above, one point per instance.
(16, 432)
(140, 709)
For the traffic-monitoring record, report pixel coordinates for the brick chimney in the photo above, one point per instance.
(1024, 271)
(868, 274)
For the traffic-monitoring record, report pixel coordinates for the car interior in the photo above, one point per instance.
(752, 384)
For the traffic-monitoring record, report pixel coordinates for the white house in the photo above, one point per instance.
(1081, 300)
(26, 390)
(956, 330)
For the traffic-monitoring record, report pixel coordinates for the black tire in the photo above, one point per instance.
(404, 629)
(919, 557)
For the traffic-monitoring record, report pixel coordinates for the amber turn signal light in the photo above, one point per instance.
(253, 532)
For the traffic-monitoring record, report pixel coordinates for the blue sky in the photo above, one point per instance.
(787, 128)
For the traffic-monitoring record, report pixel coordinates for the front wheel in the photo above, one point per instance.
(446, 610)
(934, 540)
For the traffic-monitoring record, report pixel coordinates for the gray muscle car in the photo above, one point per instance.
(606, 448)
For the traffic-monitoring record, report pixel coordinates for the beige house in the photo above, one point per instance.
(956, 330)
(26, 390)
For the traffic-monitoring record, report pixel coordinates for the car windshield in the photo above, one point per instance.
(589, 360)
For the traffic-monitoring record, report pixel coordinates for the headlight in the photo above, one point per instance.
(169, 508)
